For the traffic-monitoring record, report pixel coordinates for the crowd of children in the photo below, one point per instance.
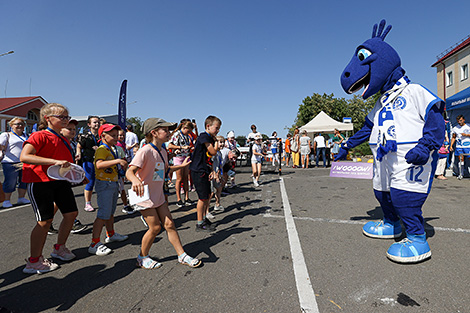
(201, 161)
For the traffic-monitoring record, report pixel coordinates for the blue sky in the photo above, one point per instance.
(245, 61)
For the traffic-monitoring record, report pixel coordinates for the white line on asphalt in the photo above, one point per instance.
(14, 208)
(332, 220)
(307, 300)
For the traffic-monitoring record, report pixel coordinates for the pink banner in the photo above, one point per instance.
(352, 170)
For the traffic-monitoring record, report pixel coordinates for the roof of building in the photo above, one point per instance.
(452, 50)
(7, 103)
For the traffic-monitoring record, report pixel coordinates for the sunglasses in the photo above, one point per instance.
(62, 117)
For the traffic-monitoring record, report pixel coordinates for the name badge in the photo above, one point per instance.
(159, 174)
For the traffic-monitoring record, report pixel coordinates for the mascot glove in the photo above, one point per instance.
(419, 155)
(342, 154)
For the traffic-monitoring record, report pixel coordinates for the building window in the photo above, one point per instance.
(32, 116)
(464, 72)
(450, 79)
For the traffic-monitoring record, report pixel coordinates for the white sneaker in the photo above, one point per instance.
(255, 182)
(23, 201)
(218, 208)
(42, 266)
(116, 237)
(99, 249)
(7, 204)
(210, 216)
(63, 253)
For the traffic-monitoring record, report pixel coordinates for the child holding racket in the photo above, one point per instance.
(43, 149)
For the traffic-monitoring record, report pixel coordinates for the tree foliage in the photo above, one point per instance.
(336, 108)
(241, 140)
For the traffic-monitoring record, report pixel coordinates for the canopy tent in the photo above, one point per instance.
(322, 123)
(458, 104)
(459, 100)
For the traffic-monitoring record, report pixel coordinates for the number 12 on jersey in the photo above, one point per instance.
(414, 172)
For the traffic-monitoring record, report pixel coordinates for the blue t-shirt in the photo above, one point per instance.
(201, 159)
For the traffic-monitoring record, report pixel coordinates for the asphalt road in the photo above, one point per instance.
(320, 262)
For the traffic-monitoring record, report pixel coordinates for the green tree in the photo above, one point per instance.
(241, 140)
(336, 108)
(137, 123)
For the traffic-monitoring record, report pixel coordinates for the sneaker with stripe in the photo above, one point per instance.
(39, 267)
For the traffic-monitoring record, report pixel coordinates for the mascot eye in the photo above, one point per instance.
(363, 54)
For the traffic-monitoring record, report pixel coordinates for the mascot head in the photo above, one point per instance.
(375, 65)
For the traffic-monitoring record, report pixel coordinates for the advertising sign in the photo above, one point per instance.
(352, 170)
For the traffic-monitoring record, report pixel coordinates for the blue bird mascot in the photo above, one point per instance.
(405, 129)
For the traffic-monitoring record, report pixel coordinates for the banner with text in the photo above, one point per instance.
(352, 170)
(122, 105)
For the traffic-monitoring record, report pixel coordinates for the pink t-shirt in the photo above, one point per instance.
(150, 165)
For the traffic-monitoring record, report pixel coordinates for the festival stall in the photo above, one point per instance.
(459, 104)
(322, 123)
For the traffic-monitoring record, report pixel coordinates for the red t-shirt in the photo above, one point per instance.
(47, 145)
(193, 138)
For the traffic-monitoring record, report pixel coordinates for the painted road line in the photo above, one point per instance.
(14, 208)
(332, 220)
(307, 300)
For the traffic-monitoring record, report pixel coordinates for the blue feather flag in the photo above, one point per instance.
(122, 105)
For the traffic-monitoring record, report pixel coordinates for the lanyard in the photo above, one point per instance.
(186, 141)
(63, 140)
(220, 164)
(21, 138)
(118, 166)
(155, 147)
(111, 150)
(94, 139)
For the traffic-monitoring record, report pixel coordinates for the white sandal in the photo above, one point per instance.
(189, 261)
(147, 262)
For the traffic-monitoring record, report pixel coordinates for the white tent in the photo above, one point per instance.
(322, 123)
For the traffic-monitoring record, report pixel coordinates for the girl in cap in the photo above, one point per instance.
(149, 167)
(256, 159)
(231, 143)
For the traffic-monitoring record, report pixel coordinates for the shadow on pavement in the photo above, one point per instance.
(375, 214)
(204, 245)
(49, 292)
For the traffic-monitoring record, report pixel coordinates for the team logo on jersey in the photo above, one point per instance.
(399, 104)
(391, 131)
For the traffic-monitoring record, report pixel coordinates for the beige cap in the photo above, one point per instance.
(153, 122)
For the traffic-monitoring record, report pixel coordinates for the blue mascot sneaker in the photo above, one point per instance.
(412, 249)
(383, 229)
